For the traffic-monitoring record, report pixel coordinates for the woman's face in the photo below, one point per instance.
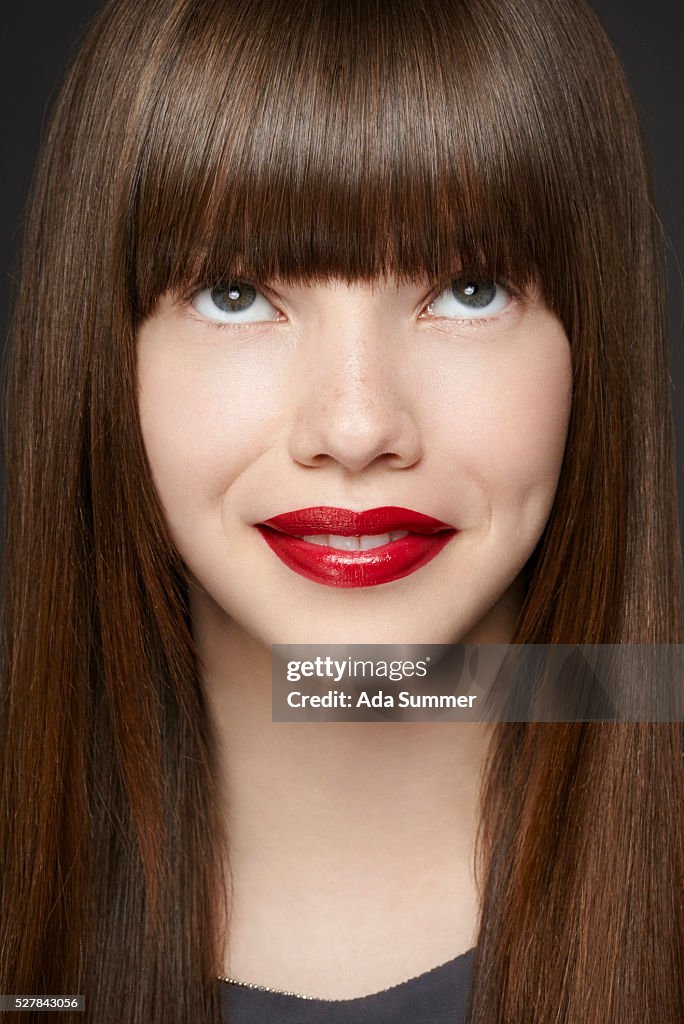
(451, 404)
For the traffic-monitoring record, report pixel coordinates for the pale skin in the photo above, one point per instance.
(351, 844)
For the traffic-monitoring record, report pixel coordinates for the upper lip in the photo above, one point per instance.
(342, 522)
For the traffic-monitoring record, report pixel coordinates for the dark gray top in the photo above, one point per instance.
(438, 996)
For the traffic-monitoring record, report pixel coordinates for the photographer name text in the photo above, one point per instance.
(379, 699)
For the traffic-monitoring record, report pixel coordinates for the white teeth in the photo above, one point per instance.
(364, 543)
(343, 543)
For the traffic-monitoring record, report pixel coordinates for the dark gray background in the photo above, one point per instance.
(39, 39)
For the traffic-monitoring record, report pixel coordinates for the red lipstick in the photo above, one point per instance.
(366, 563)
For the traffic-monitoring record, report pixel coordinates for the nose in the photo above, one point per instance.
(355, 406)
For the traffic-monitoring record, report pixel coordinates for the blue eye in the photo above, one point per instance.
(470, 298)
(233, 302)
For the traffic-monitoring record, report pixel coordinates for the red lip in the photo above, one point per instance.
(335, 568)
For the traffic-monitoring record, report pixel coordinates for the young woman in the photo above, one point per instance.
(319, 271)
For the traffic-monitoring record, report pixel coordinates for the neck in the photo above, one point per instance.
(361, 829)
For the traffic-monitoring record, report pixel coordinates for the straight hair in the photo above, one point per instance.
(197, 141)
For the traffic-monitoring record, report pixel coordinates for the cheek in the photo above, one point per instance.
(507, 422)
(525, 428)
(202, 423)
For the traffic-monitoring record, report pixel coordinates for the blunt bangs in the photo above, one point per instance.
(272, 140)
(331, 138)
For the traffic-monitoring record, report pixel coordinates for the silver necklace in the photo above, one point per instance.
(298, 995)
(265, 988)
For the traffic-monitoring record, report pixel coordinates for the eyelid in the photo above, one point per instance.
(517, 297)
(187, 299)
(188, 292)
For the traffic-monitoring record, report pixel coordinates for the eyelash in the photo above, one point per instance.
(479, 321)
(187, 297)
(471, 322)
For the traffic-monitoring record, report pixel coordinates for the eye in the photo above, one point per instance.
(233, 302)
(470, 298)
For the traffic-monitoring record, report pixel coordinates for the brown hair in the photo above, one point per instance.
(196, 139)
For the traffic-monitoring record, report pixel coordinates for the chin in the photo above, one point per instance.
(325, 629)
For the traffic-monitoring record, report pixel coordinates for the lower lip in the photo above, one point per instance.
(335, 568)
